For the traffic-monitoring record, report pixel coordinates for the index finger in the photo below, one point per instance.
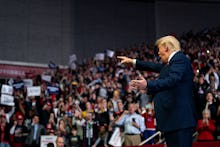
(120, 57)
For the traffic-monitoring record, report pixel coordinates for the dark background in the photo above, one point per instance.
(42, 30)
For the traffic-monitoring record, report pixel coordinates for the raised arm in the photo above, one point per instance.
(141, 65)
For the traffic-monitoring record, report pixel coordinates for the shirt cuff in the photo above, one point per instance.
(134, 62)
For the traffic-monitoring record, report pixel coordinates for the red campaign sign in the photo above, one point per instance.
(13, 71)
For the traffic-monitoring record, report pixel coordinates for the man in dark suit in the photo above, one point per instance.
(35, 132)
(173, 102)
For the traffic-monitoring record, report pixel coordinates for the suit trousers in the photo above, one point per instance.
(132, 140)
(179, 138)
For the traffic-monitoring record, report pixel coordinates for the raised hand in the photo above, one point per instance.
(125, 59)
(140, 84)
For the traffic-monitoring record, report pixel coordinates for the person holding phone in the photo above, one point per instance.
(133, 125)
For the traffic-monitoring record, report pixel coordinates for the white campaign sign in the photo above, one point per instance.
(115, 139)
(34, 91)
(72, 58)
(7, 100)
(100, 56)
(6, 89)
(28, 82)
(46, 78)
(110, 53)
(46, 139)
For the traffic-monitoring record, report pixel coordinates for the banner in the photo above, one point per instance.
(34, 91)
(110, 53)
(46, 139)
(46, 78)
(53, 90)
(100, 56)
(14, 71)
(28, 82)
(115, 139)
(6, 89)
(7, 100)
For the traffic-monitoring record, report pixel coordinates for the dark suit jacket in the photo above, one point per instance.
(173, 91)
(40, 131)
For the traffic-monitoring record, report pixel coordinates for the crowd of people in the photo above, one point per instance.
(94, 99)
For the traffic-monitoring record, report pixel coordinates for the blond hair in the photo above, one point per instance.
(170, 42)
(207, 111)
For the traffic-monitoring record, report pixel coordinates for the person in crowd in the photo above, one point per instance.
(149, 117)
(116, 97)
(89, 109)
(174, 106)
(212, 78)
(102, 140)
(74, 139)
(79, 121)
(60, 141)
(52, 120)
(18, 132)
(61, 109)
(133, 125)
(113, 117)
(206, 127)
(70, 102)
(211, 104)
(63, 129)
(218, 117)
(200, 90)
(89, 129)
(35, 131)
(120, 109)
(7, 113)
(101, 113)
(45, 114)
(49, 129)
(129, 98)
(4, 132)
(50, 144)
(144, 99)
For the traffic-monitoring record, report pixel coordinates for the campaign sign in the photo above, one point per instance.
(46, 78)
(28, 82)
(47, 139)
(99, 56)
(18, 85)
(72, 58)
(34, 91)
(53, 90)
(115, 139)
(7, 100)
(110, 53)
(6, 89)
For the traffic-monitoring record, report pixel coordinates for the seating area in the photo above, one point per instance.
(70, 98)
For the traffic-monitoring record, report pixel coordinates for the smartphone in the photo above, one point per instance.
(133, 119)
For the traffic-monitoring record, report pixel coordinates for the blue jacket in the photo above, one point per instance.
(173, 92)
